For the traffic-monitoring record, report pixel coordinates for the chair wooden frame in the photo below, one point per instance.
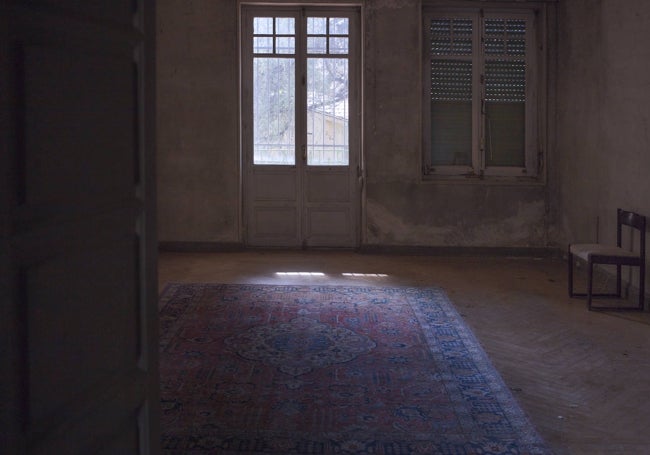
(602, 254)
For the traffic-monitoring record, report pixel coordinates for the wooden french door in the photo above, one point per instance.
(300, 126)
(78, 317)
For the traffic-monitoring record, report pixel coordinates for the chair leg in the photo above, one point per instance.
(618, 280)
(570, 279)
(641, 286)
(590, 271)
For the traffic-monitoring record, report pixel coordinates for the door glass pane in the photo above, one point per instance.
(327, 91)
(327, 112)
(274, 111)
(316, 25)
(338, 45)
(339, 25)
(285, 45)
(263, 45)
(317, 45)
(274, 90)
(263, 26)
(285, 25)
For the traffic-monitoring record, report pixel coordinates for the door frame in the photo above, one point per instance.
(120, 407)
(356, 165)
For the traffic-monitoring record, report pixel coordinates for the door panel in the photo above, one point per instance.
(276, 225)
(51, 103)
(77, 232)
(275, 185)
(54, 345)
(329, 225)
(274, 219)
(329, 216)
(328, 186)
(301, 126)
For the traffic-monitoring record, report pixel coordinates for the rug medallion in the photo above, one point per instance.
(329, 370)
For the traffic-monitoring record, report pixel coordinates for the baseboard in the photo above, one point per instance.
(545, 252)
(212, 247)
(200, 247)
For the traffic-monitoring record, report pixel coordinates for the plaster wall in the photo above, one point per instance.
(198, 156)
(401, 209)
(603, 116)
(197, 121)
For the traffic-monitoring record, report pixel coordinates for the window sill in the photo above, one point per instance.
(429, 179)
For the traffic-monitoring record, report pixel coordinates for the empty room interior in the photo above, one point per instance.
(494, 237)
(459, 145)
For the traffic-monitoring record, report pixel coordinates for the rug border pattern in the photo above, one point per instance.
(529, 440)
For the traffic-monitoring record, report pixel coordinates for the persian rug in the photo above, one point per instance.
(329, 370)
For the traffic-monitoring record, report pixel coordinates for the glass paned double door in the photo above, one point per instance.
(301, 121)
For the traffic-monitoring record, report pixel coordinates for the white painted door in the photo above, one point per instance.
(78, 353)
(300, 126)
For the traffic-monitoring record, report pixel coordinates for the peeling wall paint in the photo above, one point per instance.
(455, 218)
(400, 208)
(603, 117)
(198, 155)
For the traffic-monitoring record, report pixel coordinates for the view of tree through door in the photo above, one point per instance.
(300, 133)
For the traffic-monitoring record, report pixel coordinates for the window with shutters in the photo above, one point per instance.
(480, 93)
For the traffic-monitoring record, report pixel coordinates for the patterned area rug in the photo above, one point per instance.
(329, 370)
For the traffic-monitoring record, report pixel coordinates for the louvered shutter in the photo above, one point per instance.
(451, 91)
(505, 92)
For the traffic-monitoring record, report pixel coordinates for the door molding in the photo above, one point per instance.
(278, 204)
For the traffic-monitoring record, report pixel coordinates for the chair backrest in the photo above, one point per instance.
(634, 220)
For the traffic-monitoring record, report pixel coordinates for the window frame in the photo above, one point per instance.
(532, 169)
(300, 56)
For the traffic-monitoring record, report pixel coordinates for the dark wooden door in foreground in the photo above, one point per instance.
(77, 252)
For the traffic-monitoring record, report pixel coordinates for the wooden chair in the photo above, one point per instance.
(603, 254)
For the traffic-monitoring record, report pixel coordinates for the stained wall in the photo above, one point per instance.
(198, 156)
(603, 117)
(197, 121)
(401, 209)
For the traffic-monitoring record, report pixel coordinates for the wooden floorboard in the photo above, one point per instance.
(582, 377)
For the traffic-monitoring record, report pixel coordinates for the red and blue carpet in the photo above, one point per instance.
(329, 370)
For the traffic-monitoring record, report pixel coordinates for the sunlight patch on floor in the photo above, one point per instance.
(345, 274)
(300, 273)
(365, 275)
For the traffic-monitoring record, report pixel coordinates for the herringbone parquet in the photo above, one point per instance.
(582, 377)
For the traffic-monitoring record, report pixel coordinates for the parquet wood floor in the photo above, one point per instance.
(582, 377)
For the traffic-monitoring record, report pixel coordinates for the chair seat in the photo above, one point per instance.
(585, 250)
(595, 253)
